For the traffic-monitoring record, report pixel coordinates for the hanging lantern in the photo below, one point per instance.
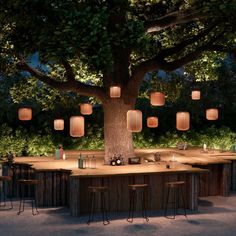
(196, 95)
(182, 121)
(212, 114)
(86, 109)
(77, 126)
(152, 122)
(25, 113)
(58, 124)
(115, 91)
(157, 99)
(134, 120)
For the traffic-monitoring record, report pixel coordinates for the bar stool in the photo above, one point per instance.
(176, 190)
(133, 190)
(93, 190)
(6, 189)
(23, 183)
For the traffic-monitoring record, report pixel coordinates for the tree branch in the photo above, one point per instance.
(179, 47)
(170, 66)
(69, 70)
(70, 85)
(174, 18)
(139, 72)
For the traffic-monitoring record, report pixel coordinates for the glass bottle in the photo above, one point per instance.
(93, 162)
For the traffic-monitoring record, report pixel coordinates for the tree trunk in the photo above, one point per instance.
(118, 140)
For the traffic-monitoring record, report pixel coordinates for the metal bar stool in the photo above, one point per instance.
(174, 193)
(6, 190)
(133, 190)
(23, 184)
(92, 192)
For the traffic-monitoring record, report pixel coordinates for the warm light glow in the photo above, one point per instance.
(212, 114)
(115, 91)
(196, 95)
(58, 124)
(77, 126)
(25, 113)
(86, 109)
(152, 122)
(182, 121)
(157, 98)
(134, 120)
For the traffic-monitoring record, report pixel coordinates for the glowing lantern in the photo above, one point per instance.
(182, 121)
(157, 99)
(25, 113)
(212, 114)
(196, 95)
(86, 109)
(134, 120)
(115, 91)
(58, 124)
(152, 122)
(77, 126)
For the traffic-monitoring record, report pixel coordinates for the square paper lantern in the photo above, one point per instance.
(152, 122)
(157, 99)
(134, 120)
(182, 121)
(58, 124)
(86, 109)
(212, 114)
(25, 113)
(115, 91)
(77, 126)
(196, 95)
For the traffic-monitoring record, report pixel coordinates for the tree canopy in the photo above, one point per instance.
(115, 41)
(87, 46)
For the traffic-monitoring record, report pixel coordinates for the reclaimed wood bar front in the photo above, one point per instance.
(63, 184)
(119, 193)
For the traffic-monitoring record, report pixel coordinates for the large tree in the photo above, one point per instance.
(118, 41)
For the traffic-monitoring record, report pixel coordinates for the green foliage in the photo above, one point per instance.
(204, 69)
(16, 141)
(93, 140)
(212, 136)
(37, 144)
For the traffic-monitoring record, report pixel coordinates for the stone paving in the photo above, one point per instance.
(216, 216)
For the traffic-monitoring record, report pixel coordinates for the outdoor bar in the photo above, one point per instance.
(115, 112)
(205, 174)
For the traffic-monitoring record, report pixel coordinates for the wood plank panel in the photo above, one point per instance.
(119, 192)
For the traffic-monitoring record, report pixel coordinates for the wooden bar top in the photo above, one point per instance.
(179, 161)
(71, 164)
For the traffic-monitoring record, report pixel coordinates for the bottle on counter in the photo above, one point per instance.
(61, 152)
(93, 162)
(112, 162)
(118, 161)
(81, 162)
(57, 154)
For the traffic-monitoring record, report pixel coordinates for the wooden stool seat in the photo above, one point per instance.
(97, 189)
(28, 181)
(134, 190)
(6, 190)
(24, 183)
(175, 184)
(5, 178)
(135, 187)
(93, 191)
(174, 194)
